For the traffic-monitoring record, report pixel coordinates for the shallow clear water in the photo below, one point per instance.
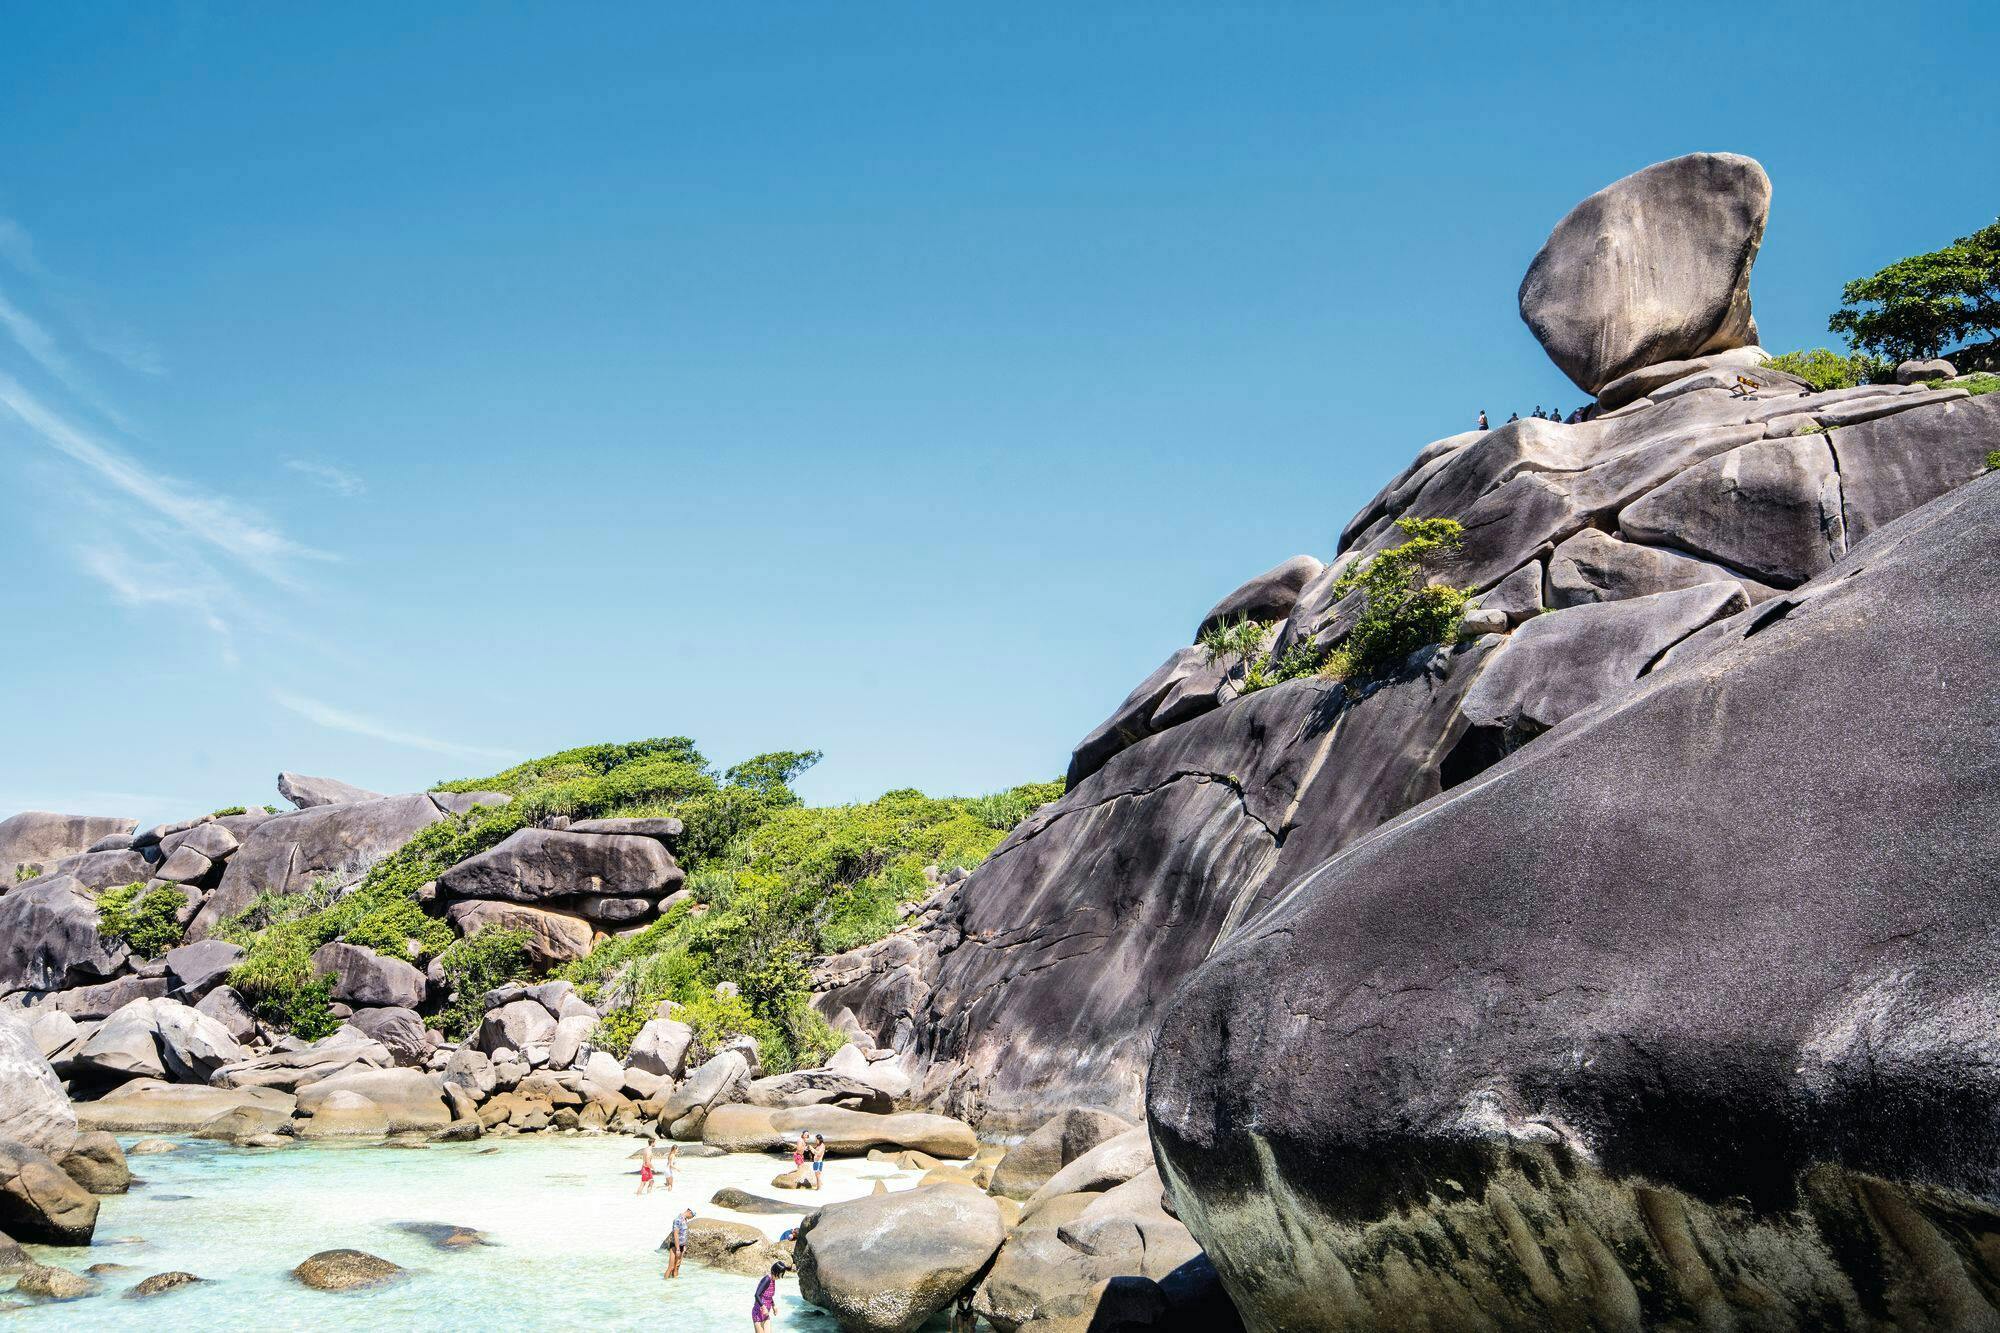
(572, 1245)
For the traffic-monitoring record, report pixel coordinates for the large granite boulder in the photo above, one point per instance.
(715, 1081)
(124, 1046)
(408, 1098)
(49, 939)
(97, 1163)
(888, 1262)
(1030, 1163)
(309, 793)
(150, 1106)
(748, 1128)
(400, 1030)
(193, 970)
(535, 865)
(39, 1201)
(1770, 509)
(1654, 267)
(661, 1047)
(33, 1110)
(550, 938)
(285, 854)
(1717, 1045)
(288, 1071)
(1269, 596)
(39, 838)
(98, 871)
(192, 1045)
(363, 977)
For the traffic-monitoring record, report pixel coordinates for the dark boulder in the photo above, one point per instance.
(536, 865)
(1715, 1046)
(287, 853)
(1269, 596)
(1770, 509)
(362, 977)
(49, 939)
(193, 970)
(308, 793)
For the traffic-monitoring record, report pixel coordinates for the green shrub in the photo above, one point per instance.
(276, 981)
(147, 920)
(1006, 809)
(1403, 609)
(25, 872)
(473, 966)
(1993, 460)
(228, 810)
(1977, 384)
(1825, 369)
(618, 1028)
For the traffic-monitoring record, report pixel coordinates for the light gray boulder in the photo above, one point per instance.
(1594, 566)
(290, 1070)
(286, 853)
(1652, 268)
(1112, 1162)
(603, 1069)
(661, 1047)
(1923, 372)
(1031, 1163)
(227, 1007)
(184, 865)
(519, 1025)
(716, 1080)
(33, 1109)
(363, 977)
(1561, 663)
(399, 1029)
(886, 1263)
(98, 871)
(1269, 596)
(49, 939)
(307, 793)
(193, 970)
(192, 1045)
(1770, 508)
(567, 1042)
(108, 997)
(664, 828)
(53, 1031)
(38, 837)
(213, 839)
(409, 1098)
(145, 1106)
(472, 1069)
(535, 865)
(1518, 597)
(97, 1163)
(1891, 465)
(1634, 385)
(460, 802)
(123, 1047)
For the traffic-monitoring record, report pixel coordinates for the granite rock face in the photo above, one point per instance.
(286, 853)
(1652, 268)
(49, 939)
(39, 838)
(33, 1109)
(1716, 1047)
(1038, 983)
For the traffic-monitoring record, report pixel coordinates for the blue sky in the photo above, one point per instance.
(393, 391)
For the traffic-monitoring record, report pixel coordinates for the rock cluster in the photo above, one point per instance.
(1594, 550)
(564, 881)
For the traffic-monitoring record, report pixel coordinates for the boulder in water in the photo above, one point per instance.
(345, 1270)
(885, 1263)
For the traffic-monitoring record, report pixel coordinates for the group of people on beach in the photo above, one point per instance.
(764, 1302)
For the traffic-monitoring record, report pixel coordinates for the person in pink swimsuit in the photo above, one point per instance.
(765, 1303)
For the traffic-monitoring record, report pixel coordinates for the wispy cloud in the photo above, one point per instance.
(178, 583)
(206, 519)
(17, 247)
(328, 477)
(338, 719)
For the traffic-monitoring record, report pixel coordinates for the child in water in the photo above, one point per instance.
(765, 1303)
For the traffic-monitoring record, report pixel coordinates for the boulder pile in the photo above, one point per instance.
(1703, 491)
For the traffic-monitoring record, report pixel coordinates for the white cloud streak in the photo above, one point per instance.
(328, 477)
(337, 719)
(204, 519)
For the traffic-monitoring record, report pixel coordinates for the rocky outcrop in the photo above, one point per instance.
(33, 1110)
(552, 938)
(148, 1106)
(39, 838)
(286, 853)
(1038, 983)
(888, 1262)
(1269, 596)
(748, 1128)
(49, 938)
(97, 1163)
(610, 872)
(362, 976)
(307, 793)
(1652, 268)
(1030, 1163)
(1715, 1046)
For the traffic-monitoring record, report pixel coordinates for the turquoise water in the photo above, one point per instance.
(572, 1245)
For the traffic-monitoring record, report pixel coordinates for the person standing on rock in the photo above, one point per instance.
(765, 1303)
(1482, 418)
(646, 1169)
(818, 1160)
(678, 1243)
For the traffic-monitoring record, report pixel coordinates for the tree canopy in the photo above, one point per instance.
(1920, 306)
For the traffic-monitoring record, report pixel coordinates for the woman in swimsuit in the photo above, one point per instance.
(673, 1156)
(765, 1303)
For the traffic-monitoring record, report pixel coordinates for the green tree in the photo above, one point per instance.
(1917, 307)
(1404, 607)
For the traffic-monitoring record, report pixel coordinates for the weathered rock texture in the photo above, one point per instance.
(1655, 267)
(1038, 983)
(1717, 1047)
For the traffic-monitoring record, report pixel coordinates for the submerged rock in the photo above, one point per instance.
(163, 1282)
(345, 1270)
(52, 1283)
